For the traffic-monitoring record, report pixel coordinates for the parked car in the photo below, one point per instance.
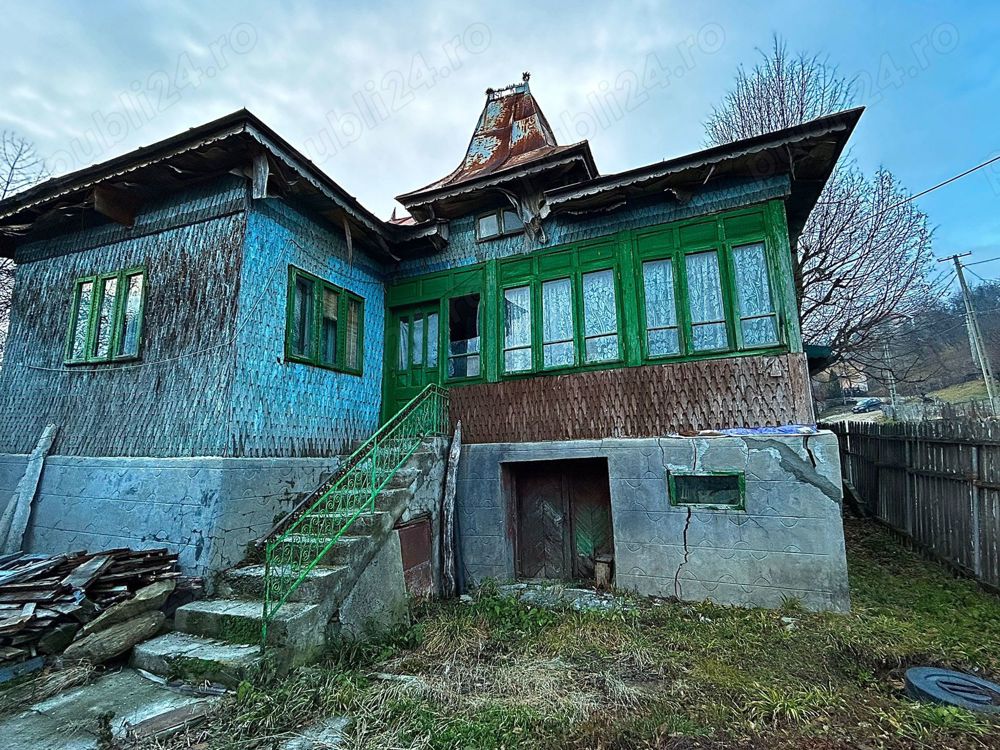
(866, 405)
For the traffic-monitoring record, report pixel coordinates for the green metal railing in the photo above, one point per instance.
(299, 543)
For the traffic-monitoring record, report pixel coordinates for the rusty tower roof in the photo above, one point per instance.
(511, 133)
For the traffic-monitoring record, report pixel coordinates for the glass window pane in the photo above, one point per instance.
(404, 344)
(661, 308)
(557, 323)
(432, 340)
(517, 329)
(302, 317)
(463, 336)
(662, 342)
(708, 489)
(489, 226)
(355, 326)
(753, 295)
(417, 350)
(705, 299)
(78, 348)
(600, 316)
(511, 221)
(328, 327)
(759, 331)
(709, 336)
(106, 318)
(128, 345)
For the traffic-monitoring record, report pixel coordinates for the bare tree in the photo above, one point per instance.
(20, 168)
(863, 257)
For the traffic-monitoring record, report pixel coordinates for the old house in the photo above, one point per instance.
(211, 321)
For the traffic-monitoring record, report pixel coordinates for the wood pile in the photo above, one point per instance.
(46, 599)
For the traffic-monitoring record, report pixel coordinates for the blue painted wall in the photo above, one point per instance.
(291, 409)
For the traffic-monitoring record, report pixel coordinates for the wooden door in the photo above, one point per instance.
(416, 338)
(563, 518)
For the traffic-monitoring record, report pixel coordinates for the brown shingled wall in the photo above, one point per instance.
(647, 401)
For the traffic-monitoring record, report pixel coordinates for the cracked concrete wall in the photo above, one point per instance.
(205, 509)
(789, 542)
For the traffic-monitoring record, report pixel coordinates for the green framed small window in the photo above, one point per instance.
(325, 324)
(663, 338)
(712, 490)
(105, 320)
(498, 223)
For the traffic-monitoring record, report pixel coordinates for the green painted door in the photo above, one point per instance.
(415, 337)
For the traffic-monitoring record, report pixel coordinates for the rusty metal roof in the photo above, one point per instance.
(511, 133)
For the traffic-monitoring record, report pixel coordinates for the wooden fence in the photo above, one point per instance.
(936, 482)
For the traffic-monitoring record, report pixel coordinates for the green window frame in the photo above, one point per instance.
(500, 222)
(106, 315)
(743, 302)
(543, 347)
(682, 484)
(324, 324)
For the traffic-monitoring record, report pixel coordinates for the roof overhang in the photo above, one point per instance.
(807, 153)
(563, 165)
(238, 143)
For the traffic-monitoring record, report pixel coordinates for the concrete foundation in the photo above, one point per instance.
(205, 509)
(787, 543)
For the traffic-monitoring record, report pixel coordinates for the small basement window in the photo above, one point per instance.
(714, 490)
(499, 222)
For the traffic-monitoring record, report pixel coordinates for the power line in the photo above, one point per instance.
(942, 184)
(988, 260)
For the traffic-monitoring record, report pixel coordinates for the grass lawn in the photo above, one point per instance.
(497, 674)
(956, 394)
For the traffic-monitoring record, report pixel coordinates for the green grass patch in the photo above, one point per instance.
(497, 673)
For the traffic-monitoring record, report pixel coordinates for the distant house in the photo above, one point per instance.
(211, 321)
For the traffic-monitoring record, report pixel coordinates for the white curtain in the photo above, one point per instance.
(757, 317)
(708, 328)
(557, 324)
(517, 329)
(661, 308)
(600, 316)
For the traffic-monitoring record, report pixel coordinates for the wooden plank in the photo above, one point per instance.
(86, 572)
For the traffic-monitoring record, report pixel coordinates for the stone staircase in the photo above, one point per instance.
(218, 639)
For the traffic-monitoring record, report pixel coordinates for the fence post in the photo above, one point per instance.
(977, 553)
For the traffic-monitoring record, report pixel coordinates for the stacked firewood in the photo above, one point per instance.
(45, 600)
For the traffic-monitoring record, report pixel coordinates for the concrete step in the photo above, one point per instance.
(345, 551)
(363, 525)
(298, 628)
(316, 587)
(194, 659)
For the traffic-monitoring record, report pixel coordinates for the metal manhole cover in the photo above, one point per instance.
(953, 688)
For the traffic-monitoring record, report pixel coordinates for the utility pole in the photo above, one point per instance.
(890, 376)
(975, 334)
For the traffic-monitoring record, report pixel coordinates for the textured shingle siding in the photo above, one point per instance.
(176, 403)
(290, 409)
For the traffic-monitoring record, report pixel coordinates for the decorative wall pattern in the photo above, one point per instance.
(750, 391)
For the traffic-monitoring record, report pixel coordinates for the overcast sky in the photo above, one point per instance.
(384, 96)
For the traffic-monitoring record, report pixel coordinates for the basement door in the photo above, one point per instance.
(563, 518)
